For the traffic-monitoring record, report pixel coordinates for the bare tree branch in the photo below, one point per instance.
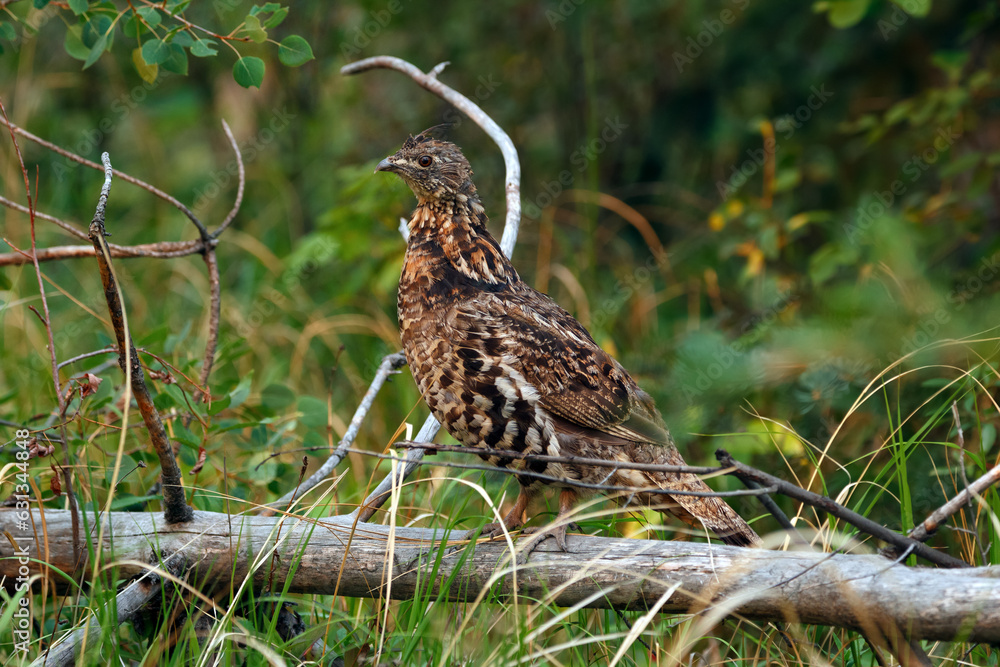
(175, 505)
(241, 183)
(123, 176)
(44, 216)
(833, 508)
(212, 266)
(929, 526)
(626, 491)
(860, 592)
(214, 311)
(162, 250)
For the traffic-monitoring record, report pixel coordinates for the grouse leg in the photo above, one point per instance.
(512, 521)
(567, 501)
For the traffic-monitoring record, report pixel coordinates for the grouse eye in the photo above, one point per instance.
(425, 160)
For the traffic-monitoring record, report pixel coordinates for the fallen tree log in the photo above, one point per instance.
(861, 592)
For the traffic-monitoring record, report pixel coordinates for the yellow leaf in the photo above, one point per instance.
(797, 220)
(716, 222)
(755, 262)
(935, 203)
(633, 527)
(147, 72)
(734, 208)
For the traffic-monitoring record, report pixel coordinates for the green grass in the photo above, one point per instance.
(429, 629)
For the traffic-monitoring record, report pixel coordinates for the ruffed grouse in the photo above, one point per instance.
(502, 366)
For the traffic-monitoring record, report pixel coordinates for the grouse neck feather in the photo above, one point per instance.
(449, 242)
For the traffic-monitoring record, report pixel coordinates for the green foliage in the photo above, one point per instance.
(168, 44)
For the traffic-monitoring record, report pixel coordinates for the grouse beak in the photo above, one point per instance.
(385, 165)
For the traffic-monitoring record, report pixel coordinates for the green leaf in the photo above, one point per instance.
(846, 13)
(254, 30)
(987, 437)
(176, 339)
(898, 112)
(146, 71)
(787, 179)
(951, 62)
(150, 16)
(218, 406)
(74, 43)
(276, 397)
(133, 28)
(128, 464)
(294, 51)
(184, 436)
(164, 401)
(825, 262)
(182, 38)
(12, 603)
(240, 393)
(155, 51)
(960, 164)
(40, 4)
(276, 19)
(919, 8)
(980, 79)
(95, 28)
(177, 60)
(313, 411)
(203, 48)
(265, 9)
(96, 50)
(7, 31)
(249, 71)
(79, 6)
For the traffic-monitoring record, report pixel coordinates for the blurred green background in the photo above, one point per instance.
(759, 207)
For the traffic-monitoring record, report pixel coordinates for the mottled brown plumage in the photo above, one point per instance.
(503, 366)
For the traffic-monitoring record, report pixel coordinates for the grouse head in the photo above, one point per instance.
(433, 168)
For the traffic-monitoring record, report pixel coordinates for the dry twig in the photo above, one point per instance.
(864, 524)
(176, 509)
(929, 526)
(203, 232)
(212, 267)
